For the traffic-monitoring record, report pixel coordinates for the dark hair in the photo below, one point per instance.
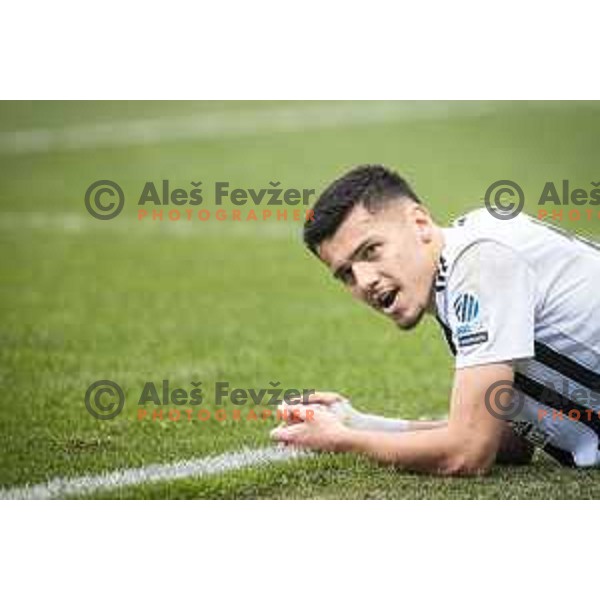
(368, 185)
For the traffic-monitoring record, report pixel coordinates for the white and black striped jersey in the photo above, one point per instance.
(522, 291)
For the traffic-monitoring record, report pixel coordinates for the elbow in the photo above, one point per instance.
(468, 454)
(467, 463)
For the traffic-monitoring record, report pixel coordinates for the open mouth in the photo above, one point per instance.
(387, 299)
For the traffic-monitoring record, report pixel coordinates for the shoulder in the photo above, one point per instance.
(478, 241)
(479, 268)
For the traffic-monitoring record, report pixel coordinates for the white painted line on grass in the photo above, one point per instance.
(233, 124)
(201, 467)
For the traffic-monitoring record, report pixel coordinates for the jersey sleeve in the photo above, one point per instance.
(491, 305)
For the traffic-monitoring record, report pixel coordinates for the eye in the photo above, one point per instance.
(370, 252)
(346, 276)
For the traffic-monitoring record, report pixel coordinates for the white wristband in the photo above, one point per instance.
(357, 420)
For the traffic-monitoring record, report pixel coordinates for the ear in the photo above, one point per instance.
(422, 221)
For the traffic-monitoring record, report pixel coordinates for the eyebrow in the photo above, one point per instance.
(337, 273)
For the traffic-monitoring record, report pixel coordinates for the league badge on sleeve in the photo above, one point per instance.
(470, 330)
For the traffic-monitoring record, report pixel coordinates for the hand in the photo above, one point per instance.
(334, 402)
(315, 427)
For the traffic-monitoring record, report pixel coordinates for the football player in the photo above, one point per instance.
(518, 302)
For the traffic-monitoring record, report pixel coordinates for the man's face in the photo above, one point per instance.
(387, 259)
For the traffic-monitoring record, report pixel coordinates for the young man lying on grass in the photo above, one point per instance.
(518, 302)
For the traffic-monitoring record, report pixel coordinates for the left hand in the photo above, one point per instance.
(319, 429)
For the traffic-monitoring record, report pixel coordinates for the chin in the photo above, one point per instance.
(408, 322)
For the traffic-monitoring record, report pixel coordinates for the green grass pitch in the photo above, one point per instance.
(84, 300)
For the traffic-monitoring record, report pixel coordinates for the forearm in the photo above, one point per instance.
(378, 423)
(432, 450)
(369, 422)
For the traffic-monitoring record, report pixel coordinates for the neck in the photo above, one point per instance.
(436, 248)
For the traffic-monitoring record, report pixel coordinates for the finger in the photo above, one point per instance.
(303, 414)
(287, 414)
(323, 398)
(298, 413)
(275, 433)
(326, 398)
(287, 435)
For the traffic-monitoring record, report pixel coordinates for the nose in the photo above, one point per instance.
(365, 278)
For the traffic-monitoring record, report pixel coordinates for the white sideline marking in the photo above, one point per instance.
(201, 467)
(231, 123)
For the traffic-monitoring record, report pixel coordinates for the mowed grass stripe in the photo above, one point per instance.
(222, 124)
(82, 223)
